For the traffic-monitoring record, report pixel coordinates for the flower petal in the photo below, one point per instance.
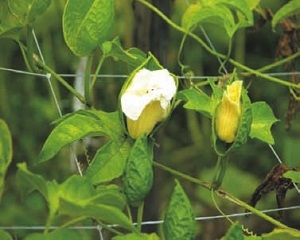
(145, 87)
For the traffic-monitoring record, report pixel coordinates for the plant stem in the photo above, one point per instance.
(279, 62)
(182, 175)
(237, 201)
(214, 53)
(219, 172)
(223, 194)
(140, 216)
(61, 80)
(97, 70)
(87, 80)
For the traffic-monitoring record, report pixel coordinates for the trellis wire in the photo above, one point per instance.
(98, 227)
(67, 75)
(158, 222)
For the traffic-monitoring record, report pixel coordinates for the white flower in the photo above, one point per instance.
(146, 100)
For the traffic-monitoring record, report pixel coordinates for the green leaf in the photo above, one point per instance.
(10, 26)
(71, 191)
(26, 11)
(87, 194)
(196, 100)
(231, 14)
(262, 121)
(133, 56)
(279, 234)
(77, 126)
(235, 232)
(294, 175)
(59, 234)
(287, 10)
(31, 181)
(109, 195)
(137, 236)
(138, 174)
(179, 222)
(4, 235)
(87, 24)
(5, 152)
(100, 212)
(109, 162)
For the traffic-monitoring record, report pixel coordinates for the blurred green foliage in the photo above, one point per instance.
(27, 106)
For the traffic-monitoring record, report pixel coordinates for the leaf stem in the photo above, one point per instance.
(214, 53)
(140, 216)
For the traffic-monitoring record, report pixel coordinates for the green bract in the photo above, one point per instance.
(179, 222)
(138, 174)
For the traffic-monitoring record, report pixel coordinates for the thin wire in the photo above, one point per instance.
(213, 48)
(280, 161)
(125, 76)
(48, 76)
(99, 228)
(206, 218)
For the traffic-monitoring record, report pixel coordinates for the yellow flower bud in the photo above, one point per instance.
(228, 112)
(147, 100)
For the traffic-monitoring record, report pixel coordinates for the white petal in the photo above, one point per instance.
(145, 87)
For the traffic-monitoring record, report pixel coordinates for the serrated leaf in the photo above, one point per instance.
(294, 175)
(4, 235)
(77, 126)
(138, 174)
(179, 222)
(287, 10)
(262, 121)
(5, 152)
(26, 11)
(136, 236)
(109, 162)
(100, 212)
(196, 100)
(133, 56)
(86, 24)
(280, 234)
(59, 234)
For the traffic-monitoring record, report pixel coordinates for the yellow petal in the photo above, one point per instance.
(151, 115)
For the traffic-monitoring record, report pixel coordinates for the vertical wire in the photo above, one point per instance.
(48, 76)
(213, 48)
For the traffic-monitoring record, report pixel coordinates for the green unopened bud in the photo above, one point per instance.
(229, 112)
(147, 100)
